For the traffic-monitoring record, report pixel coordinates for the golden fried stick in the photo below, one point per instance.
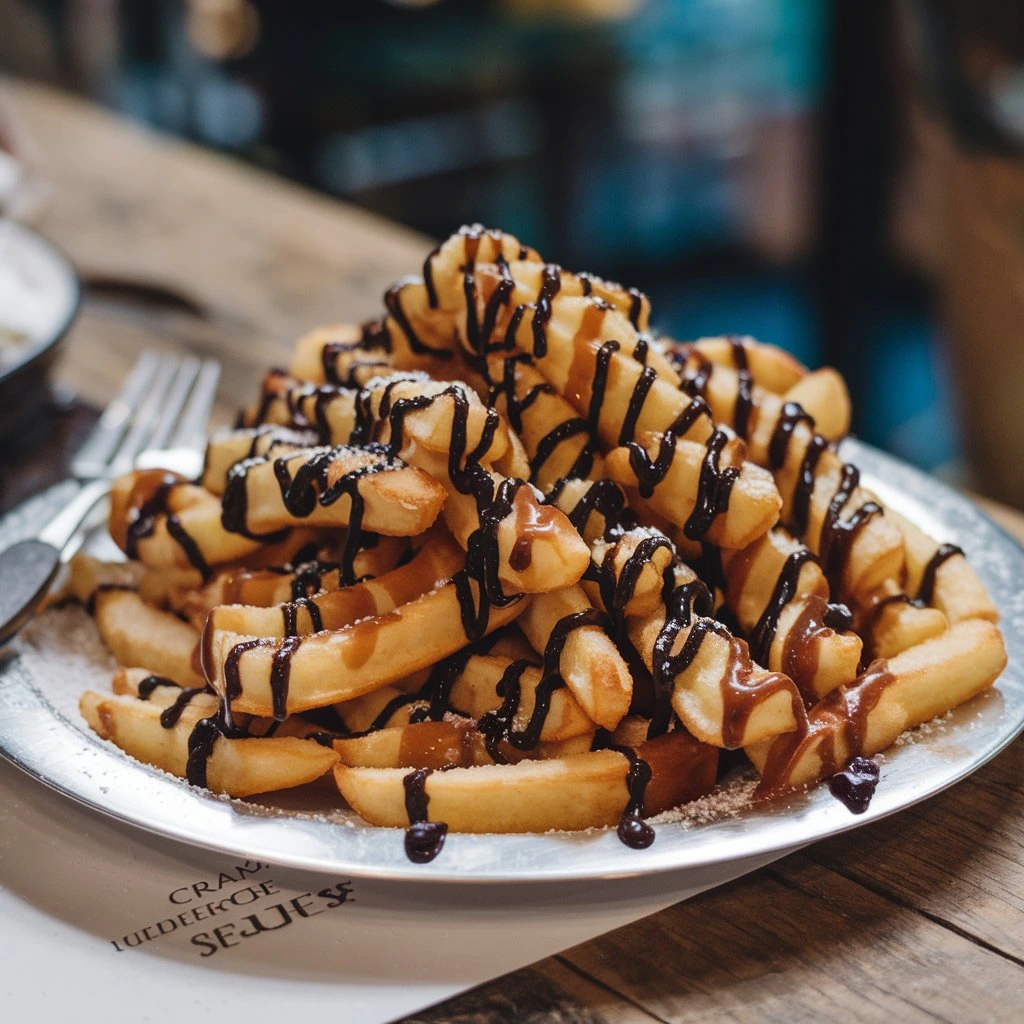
(228, 447)
(709, 491)
(166, 522)
(271, 677)
(238, 767)
(419, 745)
(770, 367)
(891, 621)
(136, 633)
(584, 791)
(719, 694)
(537, 548)
(752, 411)
(564, 627)
(939, 575)
(618, 394)
(892, 695)
(628, 575)
(493, 297)
(779, 595)
(163, 588)
(560, 442)
(343, 354)
(427, 411)
(452, 743)
(382, 493)
(534, 707)
(436, 562)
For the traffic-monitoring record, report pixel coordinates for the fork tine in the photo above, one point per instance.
(147, 416)
(191, 429)
(175, 403)
(95, 452)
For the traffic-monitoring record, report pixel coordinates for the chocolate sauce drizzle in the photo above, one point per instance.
(744, 390)
(499, 725)
(855, 785)
(549, 443)
(791, 414)
(650, 472)
(632, 830)
(157, 486)
(393, 302)
(713, 488)
(763, 634)
(926, 591)
(424, 839)
(838, 535)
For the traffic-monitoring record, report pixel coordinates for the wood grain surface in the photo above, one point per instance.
(919, 917)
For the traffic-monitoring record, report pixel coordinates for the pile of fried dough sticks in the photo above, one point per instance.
(504, 561)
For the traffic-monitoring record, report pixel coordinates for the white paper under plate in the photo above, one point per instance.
(40, 730)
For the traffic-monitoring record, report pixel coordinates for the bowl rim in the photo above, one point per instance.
(38, 351)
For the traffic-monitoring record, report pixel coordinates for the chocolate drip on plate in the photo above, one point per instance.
(424, 839)
(632, 830)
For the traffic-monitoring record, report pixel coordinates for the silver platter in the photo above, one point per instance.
(60, 751)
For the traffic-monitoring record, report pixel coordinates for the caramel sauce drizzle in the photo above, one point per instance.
(835, 730)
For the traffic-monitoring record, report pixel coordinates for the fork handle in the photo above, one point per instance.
(27, 569)
(26, 572)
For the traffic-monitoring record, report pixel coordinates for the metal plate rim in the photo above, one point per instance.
(803, 818)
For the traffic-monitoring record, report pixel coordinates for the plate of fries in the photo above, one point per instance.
(501, 586)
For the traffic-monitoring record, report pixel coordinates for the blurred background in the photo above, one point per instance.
(841, 179)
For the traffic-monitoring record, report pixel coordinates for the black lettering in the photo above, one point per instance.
(127, 940)
(186, 918)
(145, 931)
(168, 921)
(236, 899)
(113, 942)
(203, 939)
(250, 867)
(200, 913)
(223, 878)
(223, 933)
(336, 899)
(185, 890)
(258, 925)
(218, 908)
(269, 888)
(303, 903)
(200, 887)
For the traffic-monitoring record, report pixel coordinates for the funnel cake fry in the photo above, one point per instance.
(271, 677)
(266, 494)
(771, 367)
(239, 767)
(343, 354)
(339, 606)
(780, 597)
(584, 791)
(708, 490)
(889, 697)
(588, 662)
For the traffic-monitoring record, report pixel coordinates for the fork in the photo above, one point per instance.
(157, 420)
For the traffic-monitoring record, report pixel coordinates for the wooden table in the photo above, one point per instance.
(918, 917)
